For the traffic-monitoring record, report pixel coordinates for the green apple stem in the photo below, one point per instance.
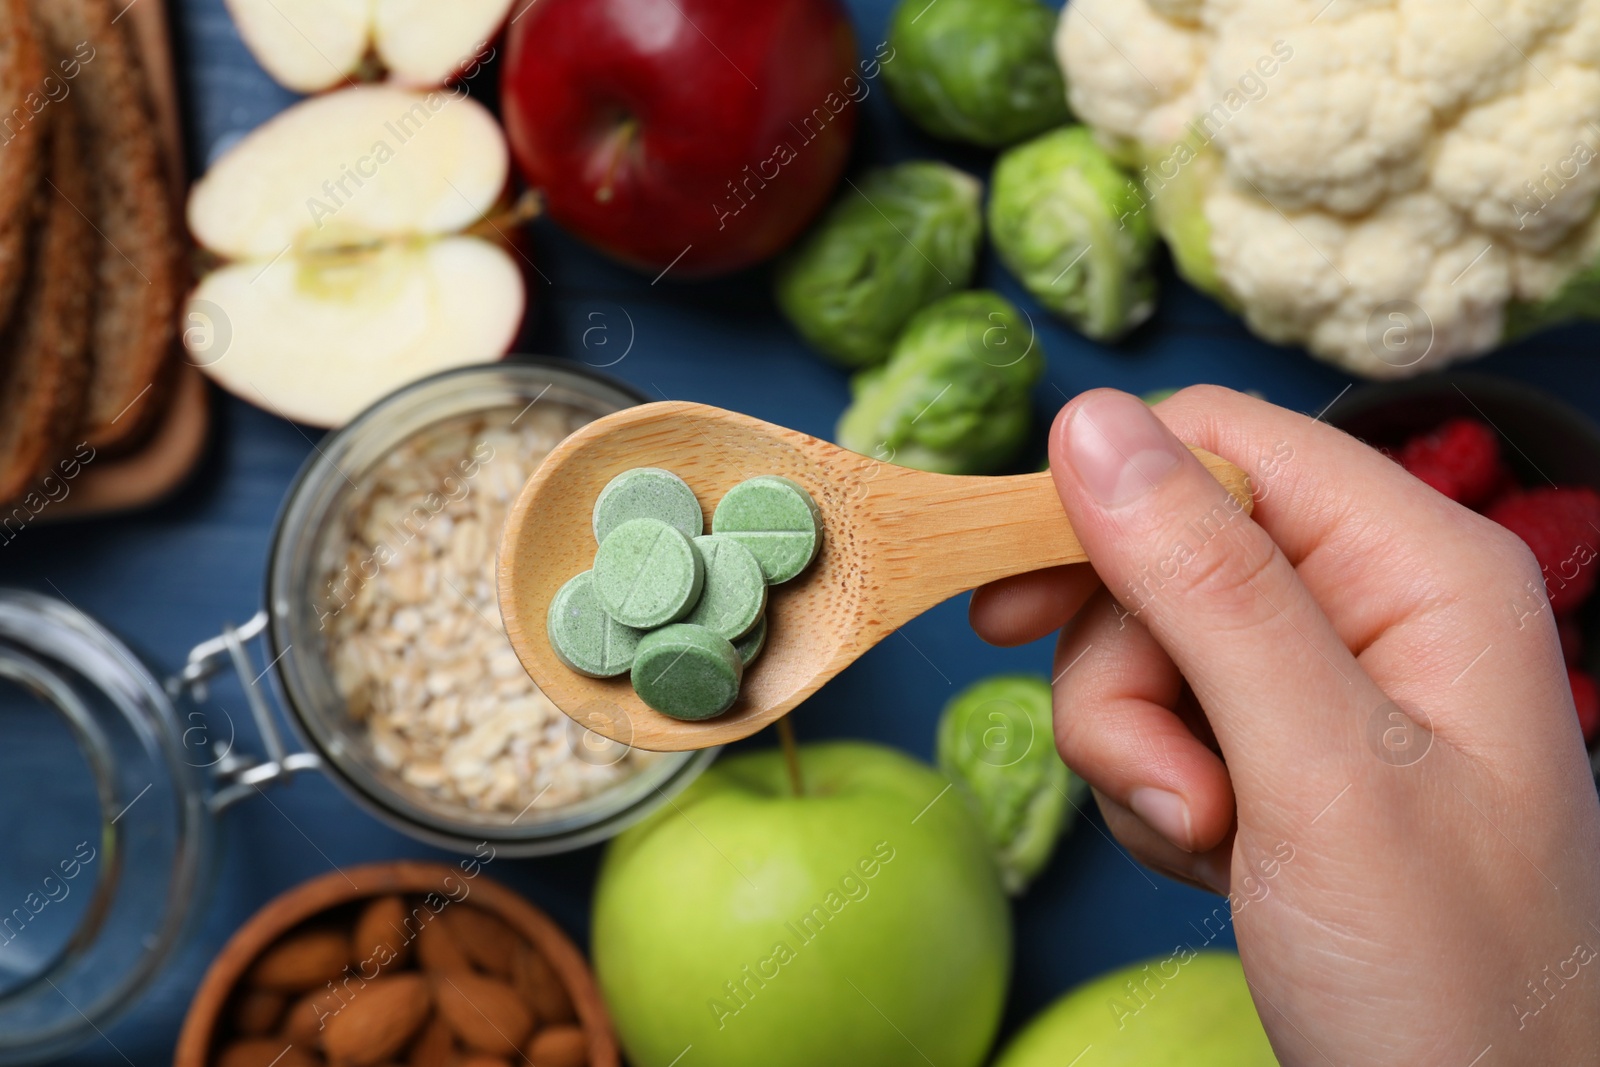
(791, 755)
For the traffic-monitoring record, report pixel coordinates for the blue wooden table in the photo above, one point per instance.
(166, 578)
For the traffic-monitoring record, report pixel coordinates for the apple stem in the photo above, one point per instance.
(524, 209)
(791, 755)
(617, 146)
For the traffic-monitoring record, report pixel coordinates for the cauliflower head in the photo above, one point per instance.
(1394, 184)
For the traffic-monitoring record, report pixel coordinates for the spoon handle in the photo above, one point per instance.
(944, 534)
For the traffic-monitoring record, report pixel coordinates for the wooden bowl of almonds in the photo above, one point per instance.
(423, 964)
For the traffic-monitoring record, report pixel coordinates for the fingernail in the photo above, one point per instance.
(1211, 872)
(1164, 812)
(1119, 448)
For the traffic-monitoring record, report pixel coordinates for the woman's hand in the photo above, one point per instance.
(1349, 709)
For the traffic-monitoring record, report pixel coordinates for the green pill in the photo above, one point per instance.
(776, 520)
(584, 637)
(647, 573)
(647, 493)
(687, 672)
(750, 645)
(735, 592)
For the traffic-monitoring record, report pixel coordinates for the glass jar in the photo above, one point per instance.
(306, 546)
(94, 899)
(108, 829)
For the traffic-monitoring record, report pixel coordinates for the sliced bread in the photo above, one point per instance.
(44, 366)
(21, 147)
(139, 265)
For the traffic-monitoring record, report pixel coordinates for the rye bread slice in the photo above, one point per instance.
(21, 143)
(44, 354)
(139, 269)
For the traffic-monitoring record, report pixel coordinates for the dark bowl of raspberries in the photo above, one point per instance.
(1522, 458)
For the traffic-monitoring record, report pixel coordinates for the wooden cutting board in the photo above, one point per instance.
(173, 448)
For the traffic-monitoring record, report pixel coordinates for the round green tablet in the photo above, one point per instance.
(584, 637)
(687, 672)
(647, 573)
(776, 520)
(735, 592)
(648, 493)
(750, 645)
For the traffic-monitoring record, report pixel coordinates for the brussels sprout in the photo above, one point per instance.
(997, 745)
(954, 395)
(1073, 227)
(981, 71)
(903, 237)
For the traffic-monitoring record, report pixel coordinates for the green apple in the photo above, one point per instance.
(860, 923)
(1188, 1009)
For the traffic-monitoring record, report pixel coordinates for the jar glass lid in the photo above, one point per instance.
(106, 827)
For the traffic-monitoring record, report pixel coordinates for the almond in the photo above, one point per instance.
(434, 1047)
(486, 1015)
(307, 1016)
(381, 939)
(264, 1052)
(378, 1021)
(539, 985)
(438, 950)
(257, 1011)
(487, 941)
(301, 961)
(559, 1046)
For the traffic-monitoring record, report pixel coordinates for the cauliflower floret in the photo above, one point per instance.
(1454, 280)
(1385, 180)
(1271, 257)
(1463, 52)
(1526, 167)
(1228, 17)
(1581, 43)
(1139, 70)
(1335, 128)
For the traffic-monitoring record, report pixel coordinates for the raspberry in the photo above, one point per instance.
(1586, 697)
(1571, 639)
(1461, 459)
(1562, 526)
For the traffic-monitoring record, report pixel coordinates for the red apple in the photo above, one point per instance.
(700, 134)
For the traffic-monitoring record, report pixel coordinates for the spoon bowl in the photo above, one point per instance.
(895, 542)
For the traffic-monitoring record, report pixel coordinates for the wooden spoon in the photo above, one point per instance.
(896, 542)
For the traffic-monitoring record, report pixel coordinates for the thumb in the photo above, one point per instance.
(1210, 585)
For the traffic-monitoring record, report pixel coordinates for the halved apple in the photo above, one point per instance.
(311, 45)
(349, 267)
